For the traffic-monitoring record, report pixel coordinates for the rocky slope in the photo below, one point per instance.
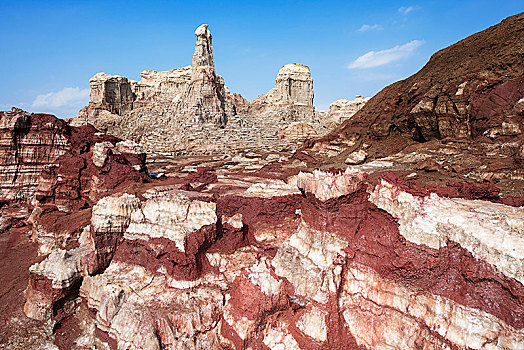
(472, 90)
(189, 111)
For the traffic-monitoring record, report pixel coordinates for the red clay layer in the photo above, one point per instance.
(254, 209)
(451, 271)
(204, 175)
(472, 191)
(40, 291)
(17, 254)
(162, 252)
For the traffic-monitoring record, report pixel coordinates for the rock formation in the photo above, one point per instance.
(314, 262)
(205, 99)
(189, 111)
(113, 93)
(291, 99)
(57, 169)
(52, 173)
(28, 143)
(35, 145)
(340, 111)
(422, 248)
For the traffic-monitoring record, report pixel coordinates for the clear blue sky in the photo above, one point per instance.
(50, 49)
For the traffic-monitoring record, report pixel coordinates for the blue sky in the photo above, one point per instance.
(50, 49)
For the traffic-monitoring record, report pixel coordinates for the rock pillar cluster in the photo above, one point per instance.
(189, 110)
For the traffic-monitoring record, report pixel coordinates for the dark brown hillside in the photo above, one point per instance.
(470, 90)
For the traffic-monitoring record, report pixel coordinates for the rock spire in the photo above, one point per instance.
(203, 55)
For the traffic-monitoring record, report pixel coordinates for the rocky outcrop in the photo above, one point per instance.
(58, 172)
(158, 245)
(203, 56)
(165, 87)
(51, 173)
(43, 157)
(205, 99)
(113, 93)
(293, 85)
(324, 260)
(96, 165)
(163, 109)
(28, 144)
(53, 286)
(297, 131)
(287, 110)
(189, 111)
(341, 111)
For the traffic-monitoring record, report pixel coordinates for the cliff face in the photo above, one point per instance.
(290, 101)
(51, 174)
(113, 93)
(41, 156)
(189, 111)
(472, 90)
(28, 143)
(293, 85)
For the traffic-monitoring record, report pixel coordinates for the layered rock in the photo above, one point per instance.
(164, 110)
(292, 96)
(297, 131)
(59, 171)
(96, 166)
(189, 111)
(42, 156)
(53, 286)
(489, 231)
(326, 260)
(167, 233)
(28, 144)
(165, 86)
(205, 99)
(287, 110)
(151, 252)
(255, 254)
(113, 93)
(456, 309)
(52, 174)
(135, 310)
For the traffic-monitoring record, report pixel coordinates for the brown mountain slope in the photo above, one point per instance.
(472, 90)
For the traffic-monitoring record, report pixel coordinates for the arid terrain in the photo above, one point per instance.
(171, 213)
